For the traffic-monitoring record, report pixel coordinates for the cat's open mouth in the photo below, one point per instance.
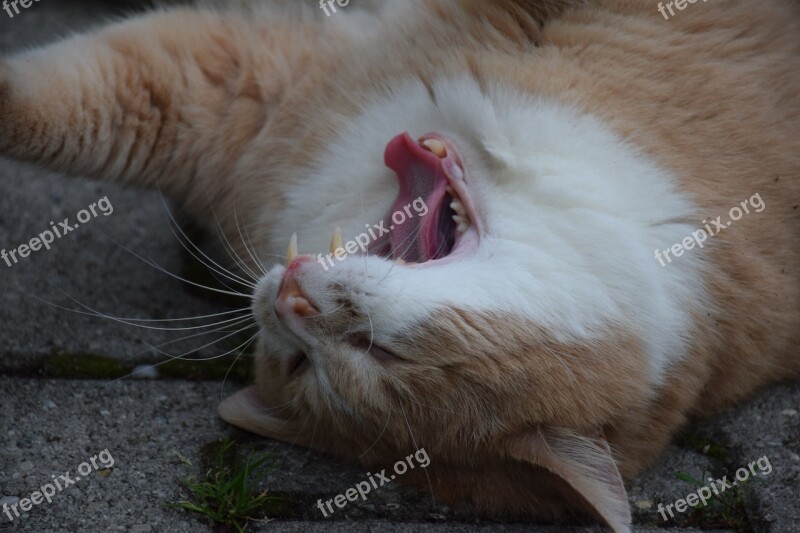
(433, 216)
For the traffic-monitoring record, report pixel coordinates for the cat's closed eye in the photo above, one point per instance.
(364, 344)
(298, 364)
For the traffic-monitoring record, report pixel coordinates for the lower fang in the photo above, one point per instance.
(456, 206)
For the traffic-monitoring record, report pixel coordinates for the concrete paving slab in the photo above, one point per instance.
(148, 430)
(52, 426)
(768, 426)
(86, 271)
(87, 265)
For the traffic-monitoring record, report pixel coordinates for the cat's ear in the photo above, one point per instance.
(248, 410)
(584, 462)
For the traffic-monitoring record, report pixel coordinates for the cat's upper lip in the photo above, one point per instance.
(429, 170)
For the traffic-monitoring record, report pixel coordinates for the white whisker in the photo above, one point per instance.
(243, 347)
(230, 248)
(226, 272)
(256, 261)
(388, 417)
(165, 271)
(416, 446)
(98, 314)
(171, 357)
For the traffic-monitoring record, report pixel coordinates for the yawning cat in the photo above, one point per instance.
(524, 290)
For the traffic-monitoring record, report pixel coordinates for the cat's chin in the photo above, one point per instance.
(434, 218)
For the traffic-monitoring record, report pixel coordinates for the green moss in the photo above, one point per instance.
(91, 366)
(83, 366)
(212, 369)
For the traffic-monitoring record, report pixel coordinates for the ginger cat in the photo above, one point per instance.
(547, 313)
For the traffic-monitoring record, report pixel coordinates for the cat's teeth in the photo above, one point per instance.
(436, 146)
(460, 219)
(336, 240)
(463, 227)
(291, 253)
(400, 261)
(458, 207)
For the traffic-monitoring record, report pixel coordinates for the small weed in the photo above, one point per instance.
(701, 444)
(724, 510)
(228, 494)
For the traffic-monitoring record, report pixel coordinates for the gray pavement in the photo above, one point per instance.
(62, 400)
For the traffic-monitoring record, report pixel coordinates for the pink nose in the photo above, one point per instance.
(291, 300)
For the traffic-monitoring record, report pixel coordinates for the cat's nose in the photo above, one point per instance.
(291, 301)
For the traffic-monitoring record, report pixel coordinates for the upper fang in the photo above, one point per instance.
(336, 241)
(291, 253)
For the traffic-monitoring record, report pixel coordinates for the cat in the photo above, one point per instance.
(521, 331)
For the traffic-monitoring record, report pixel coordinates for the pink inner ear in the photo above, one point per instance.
(584, 463)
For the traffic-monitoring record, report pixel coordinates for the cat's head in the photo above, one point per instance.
(512, 316)
(489, 320)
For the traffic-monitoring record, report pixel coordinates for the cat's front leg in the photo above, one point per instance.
(168, 99)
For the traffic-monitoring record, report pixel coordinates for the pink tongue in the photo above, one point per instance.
(415, 238)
